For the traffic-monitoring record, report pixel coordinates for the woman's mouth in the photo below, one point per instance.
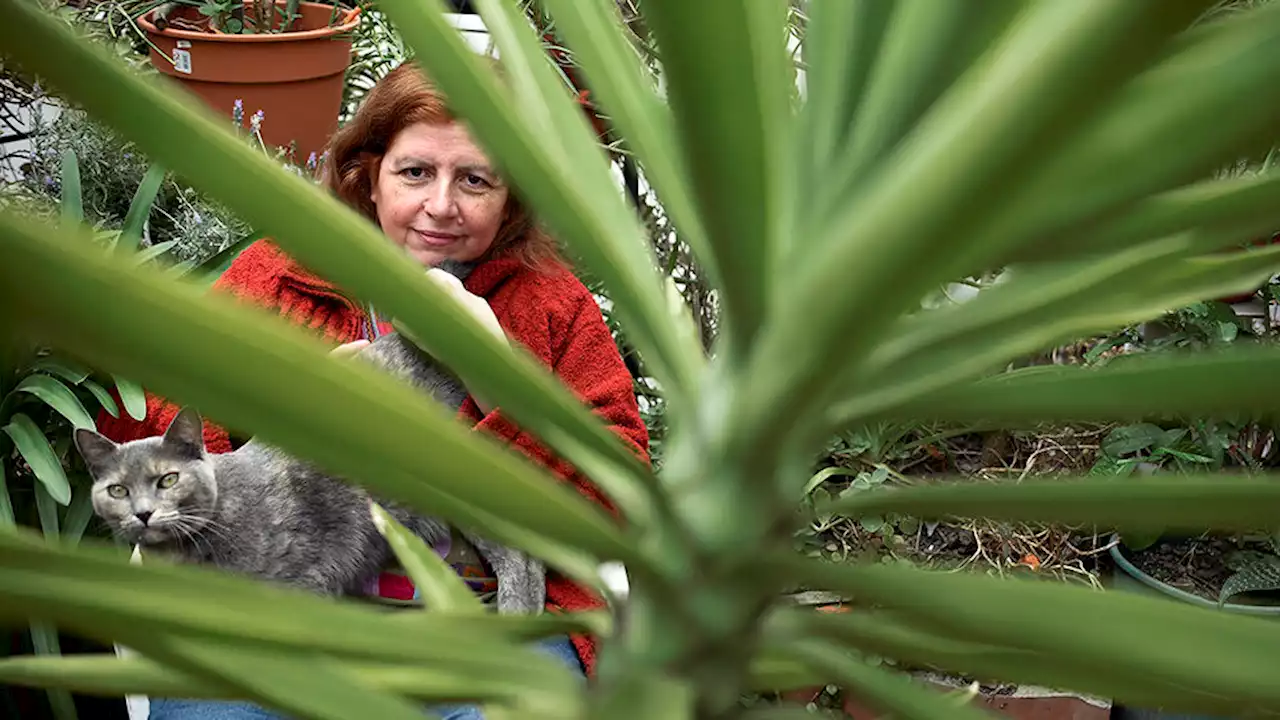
(436, 239)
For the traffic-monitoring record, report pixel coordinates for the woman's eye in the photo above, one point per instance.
(414, 173)
(118, 491)
(475, 182)
(167, 480)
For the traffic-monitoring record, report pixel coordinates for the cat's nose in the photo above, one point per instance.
(143, 516)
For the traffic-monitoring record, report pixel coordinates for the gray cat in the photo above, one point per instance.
(261, 512)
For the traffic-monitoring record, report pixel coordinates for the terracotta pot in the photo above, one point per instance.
(294, 78)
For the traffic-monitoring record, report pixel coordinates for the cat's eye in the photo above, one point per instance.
(118, 491)
(167, 480)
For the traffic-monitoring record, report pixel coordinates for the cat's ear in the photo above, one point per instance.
(97, 450)
(185, 435)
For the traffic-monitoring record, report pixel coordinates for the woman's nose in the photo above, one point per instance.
(439, 201)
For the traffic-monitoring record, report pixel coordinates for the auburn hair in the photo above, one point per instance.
(402, 98)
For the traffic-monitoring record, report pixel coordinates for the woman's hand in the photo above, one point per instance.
(479, 309)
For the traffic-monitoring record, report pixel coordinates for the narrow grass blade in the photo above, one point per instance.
(343, 246)
(132, 396)
(733, 116)
(57, 396)
(153, 251)
(441, 588)
(70, 201)
(1232, 381)
(577, 199)
(1041, 306)
(1190, 503)
(925, 47)
(623, 86)
(1192, 98)
(103, 397)
(7, 519)
(140, 209)
(34, 448)
(890, 693)
(44, 638)
(889, 636)
(343, 414)
(1131, 637)
(1038, 84)
(47, 509)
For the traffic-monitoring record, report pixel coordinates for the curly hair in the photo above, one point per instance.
(402, 98)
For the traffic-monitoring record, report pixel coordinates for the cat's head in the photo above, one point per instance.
(155, 490)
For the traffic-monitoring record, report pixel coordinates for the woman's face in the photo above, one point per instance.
(437, 195)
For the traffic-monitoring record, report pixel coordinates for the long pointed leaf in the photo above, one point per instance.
(70, 201)
(732, 117)
(890, 693)
(1192, 503)
(44, 638)
(300, 218)
(351, 418)
(624, 88)
(438, 582)
(57, 396)
(1233, 380)
(889, 636)
(140, 209)
(132, 396)
(103, 397)
(1041, 306)
(79, 513)
(65, 369)
(1192, 99)
(1128, 636)
(1040, 82)
(34, 448)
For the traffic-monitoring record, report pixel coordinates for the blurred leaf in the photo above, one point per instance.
(1260, 575)
(890, 693)
(441, 588)
(35, 449)
(213, 266)
(57, 396)
(44, 639)
(1132, 438)
(7, 519)
(132, 396)
(71, 204)
(104, 398)
(624, 87)
(1035, 87)
(92, 591)
(1133, 637)
(891, 636)
(1236, 379)
(742, 179)
(1192, 503)
(1036, 308)
(47, 509)
(302, 684)
(140, 209)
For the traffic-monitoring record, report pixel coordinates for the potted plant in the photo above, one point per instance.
(282, 61)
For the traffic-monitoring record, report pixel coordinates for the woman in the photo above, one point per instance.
(407, 164)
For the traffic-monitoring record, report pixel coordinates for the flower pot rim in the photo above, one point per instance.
(144, 20)
(1128, 568)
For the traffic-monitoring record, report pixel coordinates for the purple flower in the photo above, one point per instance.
(237, 112)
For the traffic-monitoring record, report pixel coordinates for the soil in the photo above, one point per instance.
(1199, 565)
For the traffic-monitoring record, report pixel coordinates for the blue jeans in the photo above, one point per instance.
(179, 709)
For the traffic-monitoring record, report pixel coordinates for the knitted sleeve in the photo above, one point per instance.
(581, 351)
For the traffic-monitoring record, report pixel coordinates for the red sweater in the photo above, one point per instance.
(549, 311)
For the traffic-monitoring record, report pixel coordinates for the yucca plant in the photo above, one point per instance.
(1066, 142)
